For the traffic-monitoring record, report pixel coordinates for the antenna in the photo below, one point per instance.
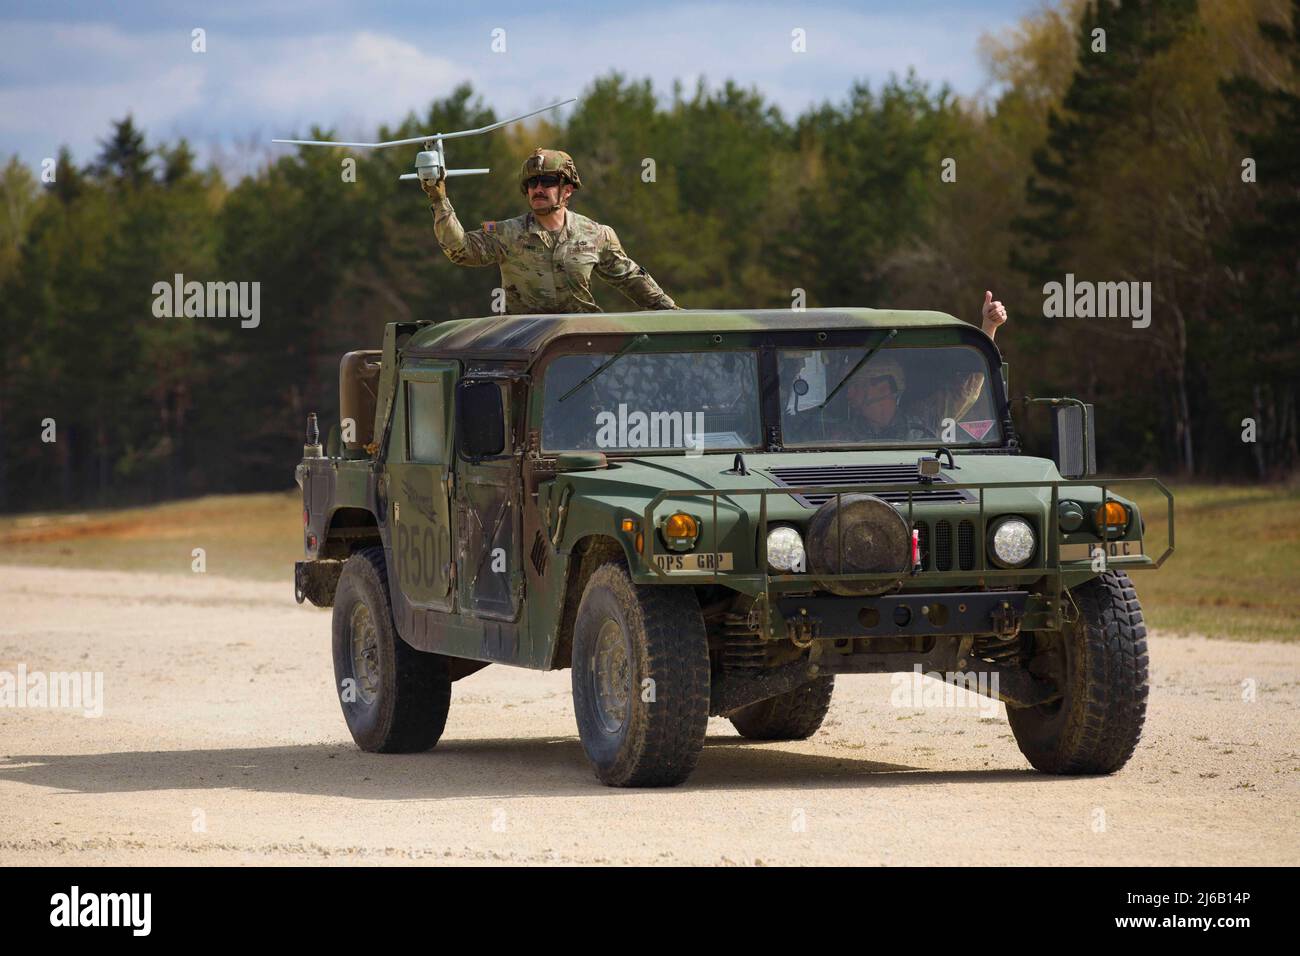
(431, 162)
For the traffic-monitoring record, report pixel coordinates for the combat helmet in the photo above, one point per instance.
(886, 366)
(543, 161)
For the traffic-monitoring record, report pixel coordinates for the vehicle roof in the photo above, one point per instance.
(525, 336)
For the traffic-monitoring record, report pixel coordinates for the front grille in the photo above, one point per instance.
(966, 545)
(866, 476)
(943, 546)
(937, 546)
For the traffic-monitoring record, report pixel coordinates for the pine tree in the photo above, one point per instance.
(1115, 40)
(123, 156)
(1264, 252)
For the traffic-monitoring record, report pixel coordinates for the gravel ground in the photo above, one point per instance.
(221, 741)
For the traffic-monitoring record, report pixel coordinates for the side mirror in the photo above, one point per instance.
(1074, 441)
(480, 420)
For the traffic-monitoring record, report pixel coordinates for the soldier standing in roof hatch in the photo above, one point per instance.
(547, 255)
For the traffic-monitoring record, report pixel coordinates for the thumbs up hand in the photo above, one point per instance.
(993, 313)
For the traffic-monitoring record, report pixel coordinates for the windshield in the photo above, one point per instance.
(683, 401)
(900, 396)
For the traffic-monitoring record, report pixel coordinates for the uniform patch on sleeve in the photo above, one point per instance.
(490, 227)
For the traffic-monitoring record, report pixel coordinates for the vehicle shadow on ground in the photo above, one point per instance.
(510, 767)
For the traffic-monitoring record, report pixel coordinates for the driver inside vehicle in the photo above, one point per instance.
(878, 406)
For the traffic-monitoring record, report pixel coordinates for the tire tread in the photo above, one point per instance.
(1111, 686)
(676, 653)
(794, 715)
(422, 685)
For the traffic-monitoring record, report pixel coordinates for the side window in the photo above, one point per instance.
(426, 422)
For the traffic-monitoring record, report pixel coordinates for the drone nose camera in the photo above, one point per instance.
(427, 165)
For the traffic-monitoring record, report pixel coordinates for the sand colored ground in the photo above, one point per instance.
(221, 742)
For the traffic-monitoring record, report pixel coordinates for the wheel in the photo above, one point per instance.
(794, 715)
(394, 698)
(640, 679)
(1100, 664)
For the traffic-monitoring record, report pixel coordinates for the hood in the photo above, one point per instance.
(630, 482)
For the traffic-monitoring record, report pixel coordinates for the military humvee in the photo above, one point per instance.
(717, 513)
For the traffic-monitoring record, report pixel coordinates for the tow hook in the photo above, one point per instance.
(803, 630)
(1006, 620)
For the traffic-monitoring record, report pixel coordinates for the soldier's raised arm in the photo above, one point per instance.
(477, 248)
(623, 274)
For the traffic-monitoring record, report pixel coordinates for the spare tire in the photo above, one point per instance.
(876, 540)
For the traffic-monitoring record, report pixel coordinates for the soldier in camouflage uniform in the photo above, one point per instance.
(878, 412)
(547, 255)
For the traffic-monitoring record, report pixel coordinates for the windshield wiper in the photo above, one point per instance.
(637, 342)
(854, 371)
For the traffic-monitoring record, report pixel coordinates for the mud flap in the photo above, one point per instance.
(315, 581)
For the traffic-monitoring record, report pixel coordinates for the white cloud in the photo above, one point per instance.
(64, 82)
(748, 43)
(373, 77)
(75, 79)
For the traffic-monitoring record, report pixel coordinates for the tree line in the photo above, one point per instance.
(1144, 141)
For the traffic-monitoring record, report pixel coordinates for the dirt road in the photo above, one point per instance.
(221, 741)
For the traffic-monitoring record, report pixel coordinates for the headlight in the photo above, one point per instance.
(1012, 542)
(785, 550)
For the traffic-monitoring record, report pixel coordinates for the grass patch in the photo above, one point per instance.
(1235, 570)
(245, 536)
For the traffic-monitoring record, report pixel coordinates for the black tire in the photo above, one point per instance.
(398, 697)
(633, 634)
(1101, 667)
(794, 715)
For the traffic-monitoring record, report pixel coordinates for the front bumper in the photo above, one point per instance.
(905, 615)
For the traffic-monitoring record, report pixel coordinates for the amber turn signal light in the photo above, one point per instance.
(680, 526)
(1112, 514)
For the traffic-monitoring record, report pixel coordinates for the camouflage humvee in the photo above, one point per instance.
(718, 513)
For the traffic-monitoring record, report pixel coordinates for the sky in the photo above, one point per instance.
(276, 67)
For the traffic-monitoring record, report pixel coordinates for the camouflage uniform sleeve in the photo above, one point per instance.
(477, 248)
(629, 278)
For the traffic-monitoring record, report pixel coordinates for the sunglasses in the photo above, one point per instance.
(548, 181)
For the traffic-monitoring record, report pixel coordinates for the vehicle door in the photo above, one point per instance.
(420, 482)
(488, 502)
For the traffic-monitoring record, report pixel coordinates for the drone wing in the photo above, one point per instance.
(326, 142)
(424, 139)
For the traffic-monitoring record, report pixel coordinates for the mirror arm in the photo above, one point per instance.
(1083, 418)
(1056, 402)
